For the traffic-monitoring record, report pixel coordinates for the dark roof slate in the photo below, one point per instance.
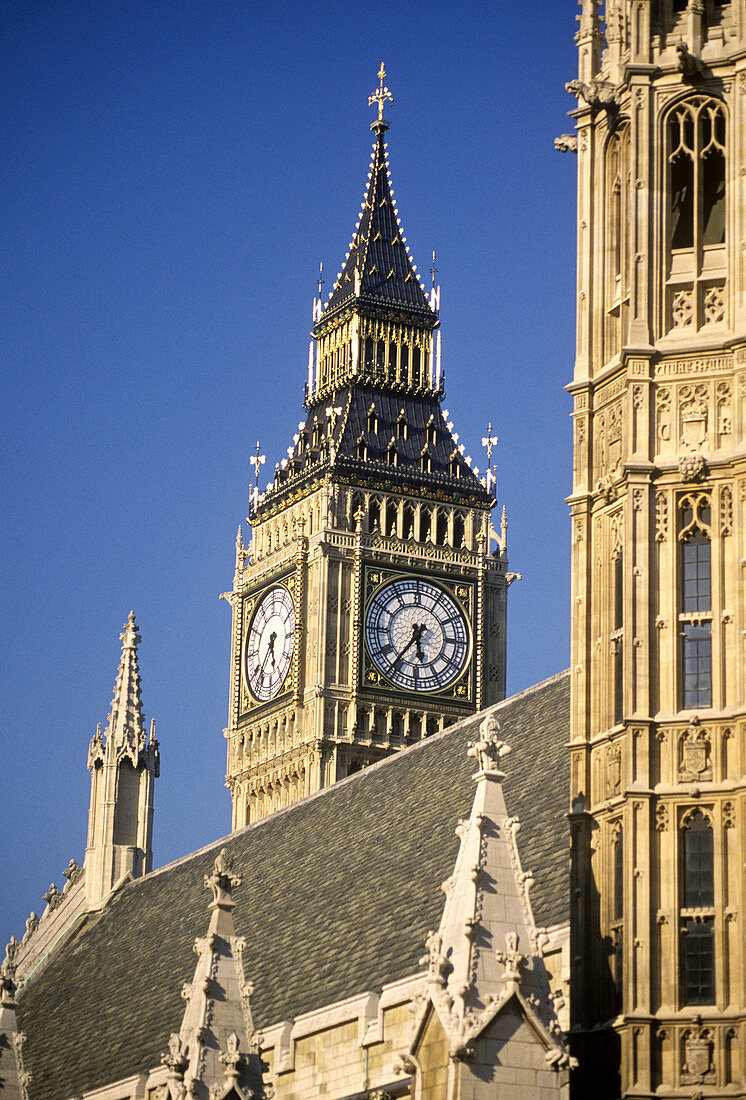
(338, 894)
(310, 459)
(378, 251)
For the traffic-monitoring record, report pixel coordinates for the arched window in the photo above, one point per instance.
(697, 888)
(441, 528)
(617, 911)
(695, 601)
(408, 527)
(617, 636)
(374, 515)
(391, 517)
(459, 530)
(616, 292)
(696, 151)
(426, 524)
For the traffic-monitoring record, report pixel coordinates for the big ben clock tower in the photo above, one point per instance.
(368, 610)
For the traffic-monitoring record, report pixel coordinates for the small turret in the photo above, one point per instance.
(124, 764)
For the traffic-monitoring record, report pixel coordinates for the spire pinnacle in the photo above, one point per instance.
(380, 96)
(126, 719)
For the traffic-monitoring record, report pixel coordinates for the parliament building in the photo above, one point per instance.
(431, 890)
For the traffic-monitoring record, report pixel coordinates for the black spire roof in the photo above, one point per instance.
(378, 268)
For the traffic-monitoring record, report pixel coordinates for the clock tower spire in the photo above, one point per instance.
(368, 611)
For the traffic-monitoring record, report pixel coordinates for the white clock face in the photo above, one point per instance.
(269, 643)
(417, 635)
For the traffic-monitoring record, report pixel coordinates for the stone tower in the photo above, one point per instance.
(658, 763)
(368, 610)
(124, 765)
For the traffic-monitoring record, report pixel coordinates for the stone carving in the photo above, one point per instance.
(53, 897)
(697, 1068)
(175, 1057)
(726, 511)
(692, 467)
(600, 95)
(73, 873)
(566, 143)
(488, 748)
(691, 67)
(695, 751)
(682, 309)
(663, 413)
(637, 397)
(438, 966)
(613, 770)
(232, 1059)
(512, 959)
(661, 817)
(729, 815)
(693, 410)
(661, 517)
(31, 925)
(724, 415)
(222, 880)
(614, 437)
(637, 499)
(714, 305)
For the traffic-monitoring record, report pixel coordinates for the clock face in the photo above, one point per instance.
(269, 643)
(417, 635)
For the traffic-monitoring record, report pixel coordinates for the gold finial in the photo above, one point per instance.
(381, 94)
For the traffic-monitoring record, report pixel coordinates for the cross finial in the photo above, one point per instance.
(256, 461)
(489, 441)
(381, 94)
(321, 280)
(433, 269)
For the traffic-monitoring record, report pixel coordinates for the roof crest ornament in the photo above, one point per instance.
(380, 96)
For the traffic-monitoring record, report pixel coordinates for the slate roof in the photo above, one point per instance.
(338, 894)
(378, 252)
(337, 452)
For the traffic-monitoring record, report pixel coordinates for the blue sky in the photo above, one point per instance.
(172, 174)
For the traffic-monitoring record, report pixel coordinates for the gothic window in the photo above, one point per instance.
(617, 633)
(381, 357)
(391, 517)
(374, 515)
(404, 361)
(454, 469)
(392, 458)
(618, 592)
(695, 615)
(459, 530)
(697, 937)
(616, 228)
(372, 419)
(416, 357)
(401, 426)
(430, 430)
(441, 528)
(408, 529)
(696, 148)
(617, 912)
(362, 448)
(426, 521)
(392, 362)
(426, 462)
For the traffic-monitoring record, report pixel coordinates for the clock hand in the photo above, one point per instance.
(270, 653)
(415, 638)
(420, 654)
